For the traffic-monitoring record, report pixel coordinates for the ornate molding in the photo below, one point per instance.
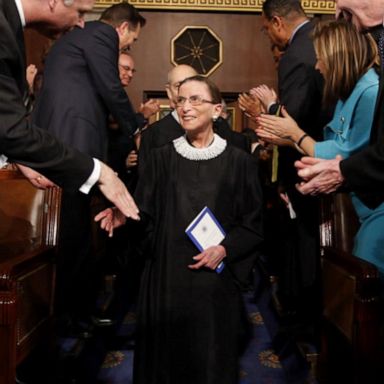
(310, 6)
(199, 47)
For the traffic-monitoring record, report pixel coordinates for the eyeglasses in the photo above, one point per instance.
(127, 68)
(194, 100)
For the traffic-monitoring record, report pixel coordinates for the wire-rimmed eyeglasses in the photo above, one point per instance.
(193, 100)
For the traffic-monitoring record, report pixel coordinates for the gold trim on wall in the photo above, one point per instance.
(310, 6)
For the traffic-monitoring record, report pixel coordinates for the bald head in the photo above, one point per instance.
(363, 13)
(175, 76)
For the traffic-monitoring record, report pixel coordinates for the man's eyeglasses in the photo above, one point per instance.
(193, 100)
(127, 68)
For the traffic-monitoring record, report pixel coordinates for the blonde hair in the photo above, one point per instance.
(346, 55)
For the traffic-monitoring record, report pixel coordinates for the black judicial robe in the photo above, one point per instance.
(189, 321)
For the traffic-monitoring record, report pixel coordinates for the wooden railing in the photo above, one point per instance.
(351, 292)
(28, 234)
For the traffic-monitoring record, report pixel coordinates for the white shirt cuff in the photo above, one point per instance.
(3, 161)
(92, 180)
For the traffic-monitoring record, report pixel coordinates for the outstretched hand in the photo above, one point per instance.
(116, 192)
(110, 219)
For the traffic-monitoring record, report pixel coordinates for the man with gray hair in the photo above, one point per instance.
(81, 88)
(24, 143)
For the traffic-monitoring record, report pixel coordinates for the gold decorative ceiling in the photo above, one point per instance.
(310, 6)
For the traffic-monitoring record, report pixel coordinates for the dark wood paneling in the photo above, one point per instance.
(36, 47)
(246, 57)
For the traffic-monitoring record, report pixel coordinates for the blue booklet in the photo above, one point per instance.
(205, 231)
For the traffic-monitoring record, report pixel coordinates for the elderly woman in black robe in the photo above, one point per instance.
(190, 315)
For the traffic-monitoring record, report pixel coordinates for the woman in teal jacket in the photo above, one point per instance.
(347, 61)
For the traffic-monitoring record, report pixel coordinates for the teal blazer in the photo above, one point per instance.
(350, 128)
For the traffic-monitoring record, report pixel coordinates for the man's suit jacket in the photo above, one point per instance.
(21, 141)
(167, 129)
(81, 87)
(364, 171)
(300, 90)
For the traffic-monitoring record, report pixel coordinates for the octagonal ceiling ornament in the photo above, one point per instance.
(199, 47)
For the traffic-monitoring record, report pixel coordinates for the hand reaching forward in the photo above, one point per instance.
(35, 178)
(210, 258)
(116, 192)
(110, 219)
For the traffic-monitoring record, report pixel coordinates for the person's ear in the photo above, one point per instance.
(169, 93)
(217, 110)
(52, 4)
(122, 28)
(277, 22)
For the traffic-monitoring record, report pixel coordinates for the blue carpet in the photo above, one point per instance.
(259, 363)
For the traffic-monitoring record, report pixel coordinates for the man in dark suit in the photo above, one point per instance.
(363, 172)
(81, 87)
(300, 91)
(24, 143)
(168, 128)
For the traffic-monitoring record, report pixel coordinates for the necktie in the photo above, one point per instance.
(378, 35)
(275, 157)
(381, 49)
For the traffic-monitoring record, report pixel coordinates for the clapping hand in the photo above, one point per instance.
(319, 175)
(250, 105)
(284, 127)
(266, 95)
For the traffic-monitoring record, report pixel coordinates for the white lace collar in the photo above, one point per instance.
(186, 150)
